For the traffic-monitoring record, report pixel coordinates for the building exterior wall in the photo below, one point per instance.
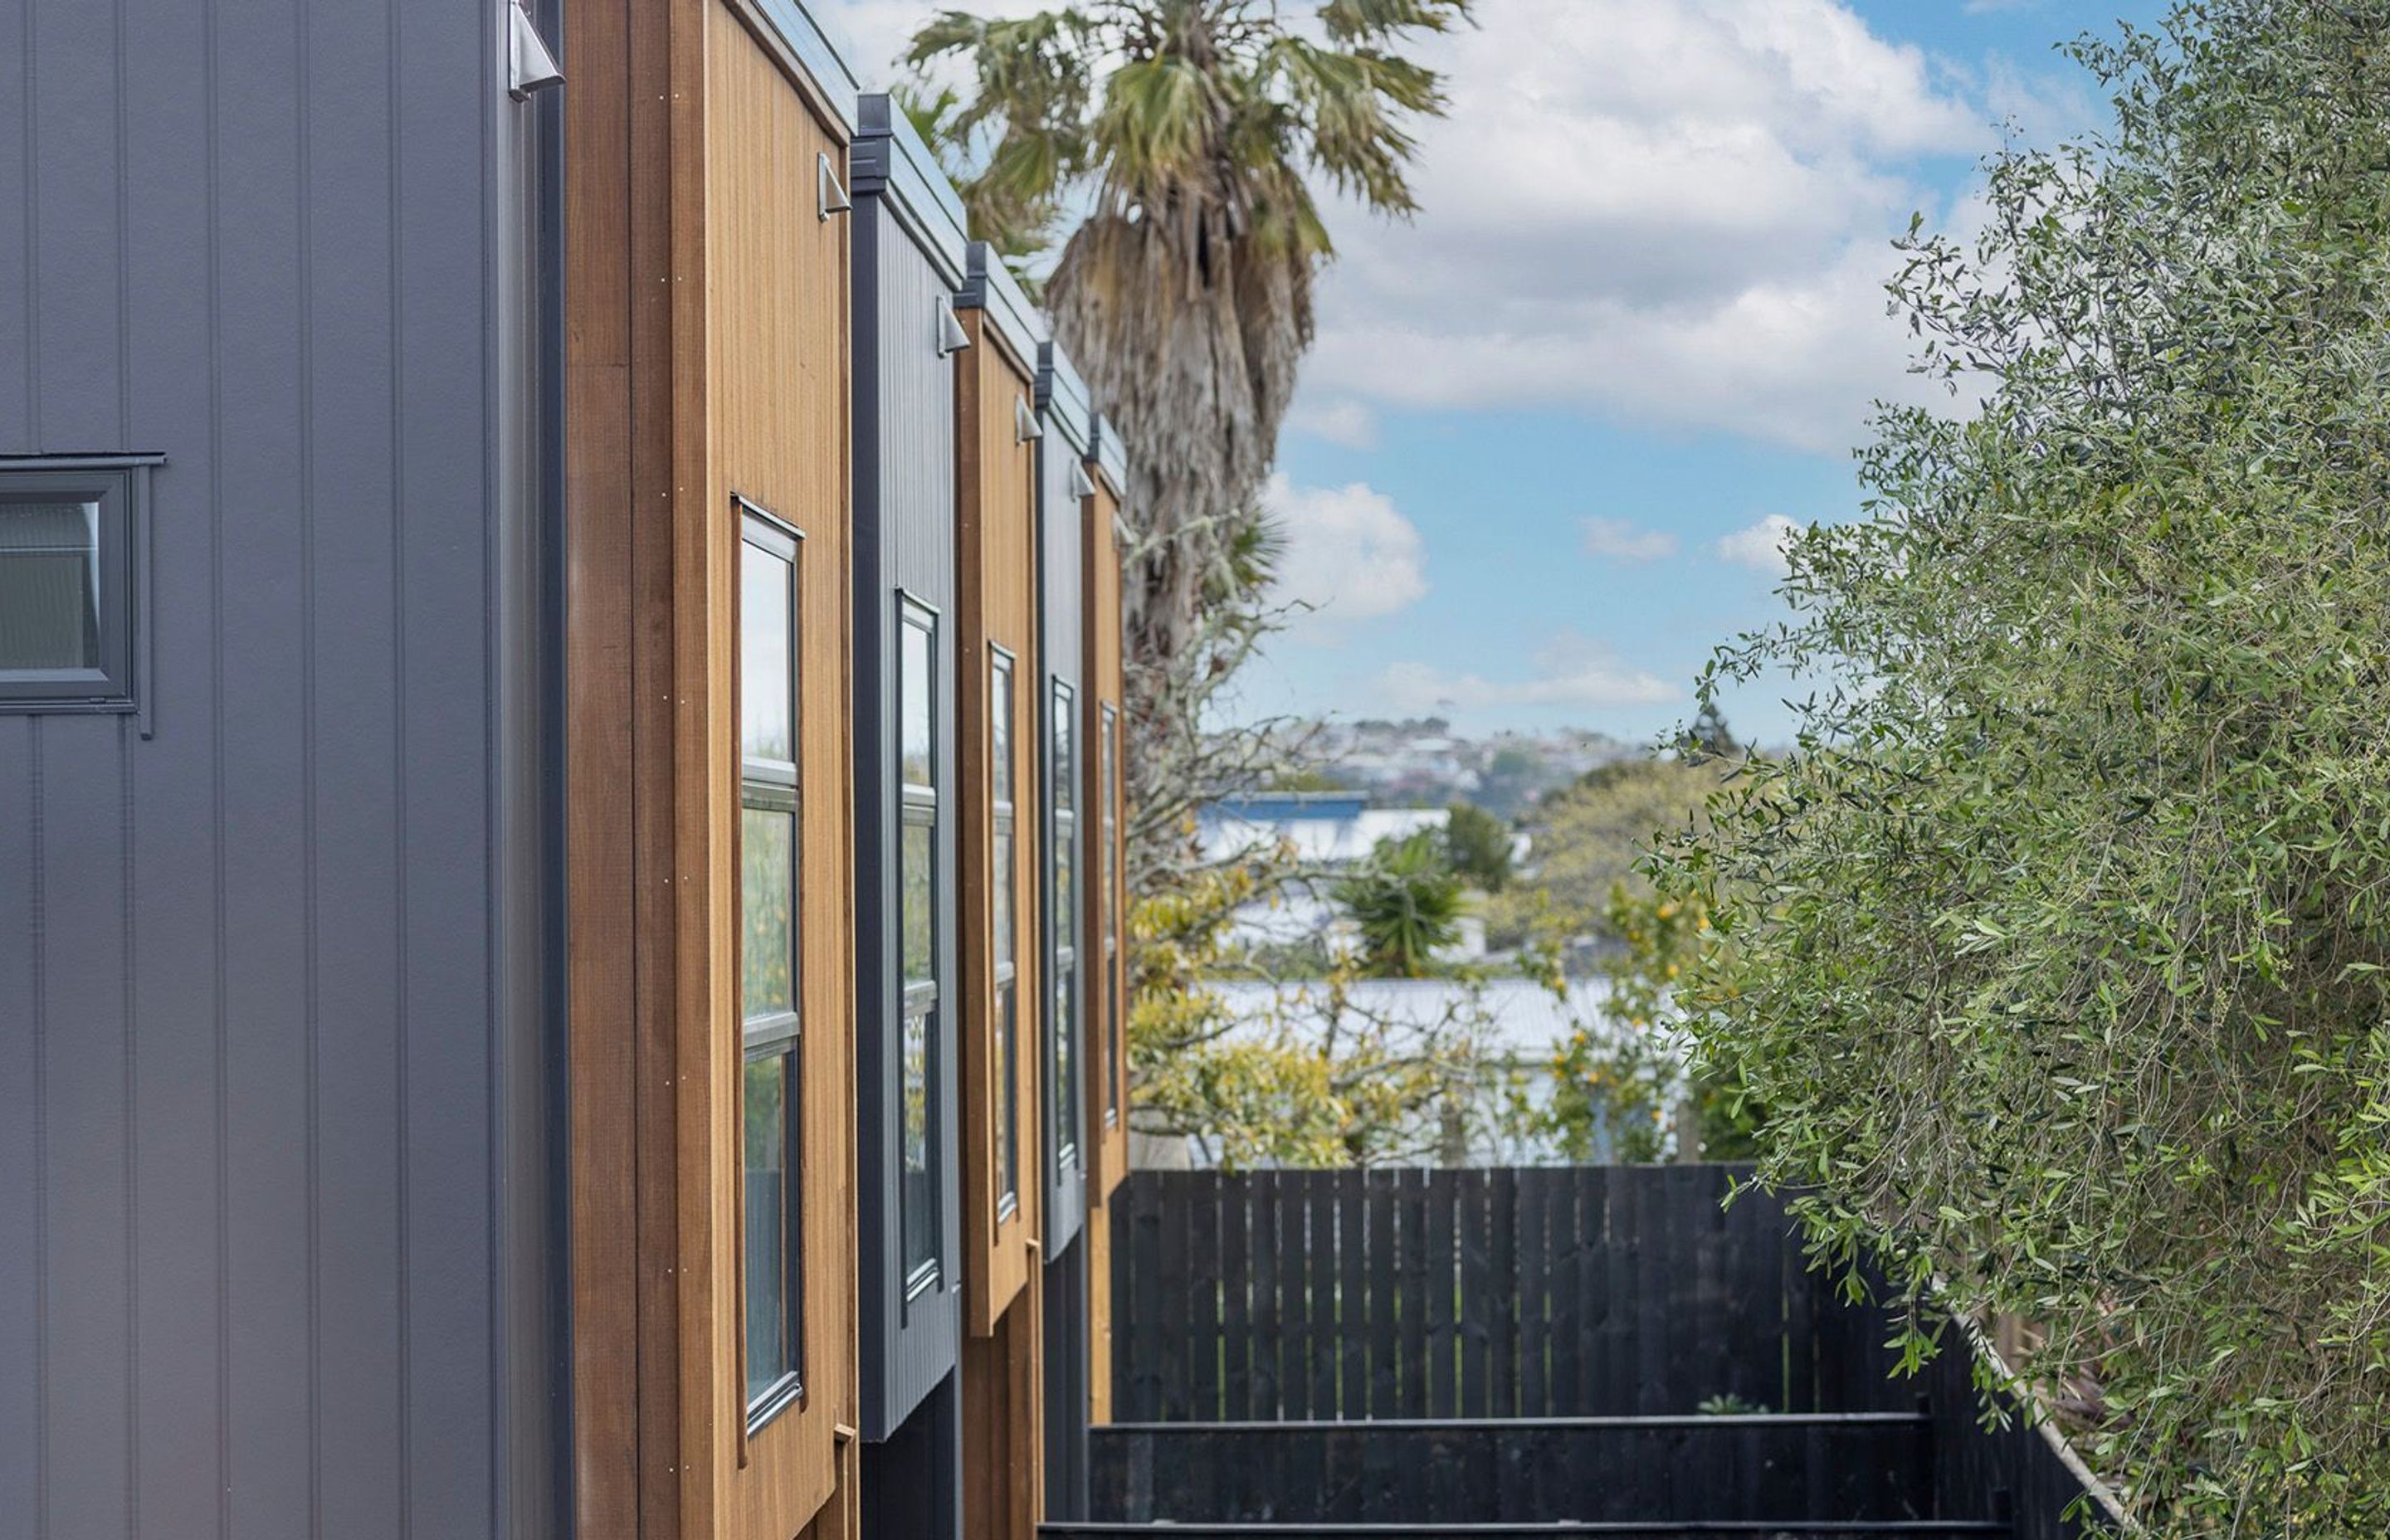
(905, 557)
(709, 361)
(271, 967)
(1105, 927)
(1003, 1466)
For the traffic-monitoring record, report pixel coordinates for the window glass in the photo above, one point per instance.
(1001, 909)
(999, 747)
(918, 901)
(49, 585)
(1065, 930)
(767, 859)
(1105, 821)
(1107, 905)
(769, 936)
(919, 982)
(1008, 1147)
(1066, 1069)
(765, 697)
(917, 698)
(1065, 877)
(769, 1102)
(920, 1198)
(1066, 738)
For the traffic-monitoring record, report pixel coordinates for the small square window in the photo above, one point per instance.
(70, 532)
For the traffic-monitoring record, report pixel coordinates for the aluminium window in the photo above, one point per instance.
(1107, 897)
(1067, 1090)
(917, 896)
(1004, 925)
(770, 946)
(72, 538)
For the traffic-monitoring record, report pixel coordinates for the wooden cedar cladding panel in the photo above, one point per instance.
(905, 561)
(776, 374)
(1003, 1377)
(707, 353)
(1105, 948)
(1003, 1407)
(995, 539)
(1106, 966)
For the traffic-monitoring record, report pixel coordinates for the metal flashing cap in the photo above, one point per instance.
(890, 160)
(1062, 396)
(988, 285)
(1109, 457)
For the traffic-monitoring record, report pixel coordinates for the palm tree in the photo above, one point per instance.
(1191, 136)
(1407, 904)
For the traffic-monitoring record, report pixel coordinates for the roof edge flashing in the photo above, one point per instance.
(989, 287)
(1109, 455)
(816, 46)
(1062, 396)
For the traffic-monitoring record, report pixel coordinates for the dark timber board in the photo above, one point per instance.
(1483, 1470)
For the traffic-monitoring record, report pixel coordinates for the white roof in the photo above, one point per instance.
(1327, 841)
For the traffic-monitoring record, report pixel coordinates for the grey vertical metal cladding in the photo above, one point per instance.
(1062, 410)
(262, 973)
(907, 264)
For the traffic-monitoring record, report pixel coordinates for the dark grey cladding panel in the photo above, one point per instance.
(818, 47)
(1110, 459)
(905, 542)
(989, 285)
(1062, 396)
(253, 968)
(1061, 602)
(888, 162)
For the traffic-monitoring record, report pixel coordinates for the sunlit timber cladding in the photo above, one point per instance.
(1001, 820)
(1065, 438)
(709, 559)
(1104, 927)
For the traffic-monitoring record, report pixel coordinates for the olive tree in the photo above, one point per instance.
(2059, 944)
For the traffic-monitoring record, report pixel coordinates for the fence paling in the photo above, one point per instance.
(1347, 1295)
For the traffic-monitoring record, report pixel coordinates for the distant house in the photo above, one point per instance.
(1331, 828)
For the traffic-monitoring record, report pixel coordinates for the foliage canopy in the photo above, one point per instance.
(2058, 946)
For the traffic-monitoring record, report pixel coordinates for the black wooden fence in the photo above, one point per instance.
(1575, 1291)
(1618, 1291)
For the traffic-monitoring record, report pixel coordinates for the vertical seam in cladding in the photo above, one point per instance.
(309, 884)
(403, 1381)
(128, 964)
(31, 157)
(124, 254)
(493, 666)
(210, 68)
(40, 855)
(125, 823)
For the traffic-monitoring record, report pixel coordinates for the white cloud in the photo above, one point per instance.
(1571, 673)
(1760, 546)
(1668, 211)
(1620, 541)
(1351, 555)
(1344, 422)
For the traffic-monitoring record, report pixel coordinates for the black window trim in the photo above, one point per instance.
(1005, 968)
(1063, 811)
(778, 785)
(921, 805)
(119, 685)
(1108, 756)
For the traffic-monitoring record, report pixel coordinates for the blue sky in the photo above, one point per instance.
(1553, 428)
